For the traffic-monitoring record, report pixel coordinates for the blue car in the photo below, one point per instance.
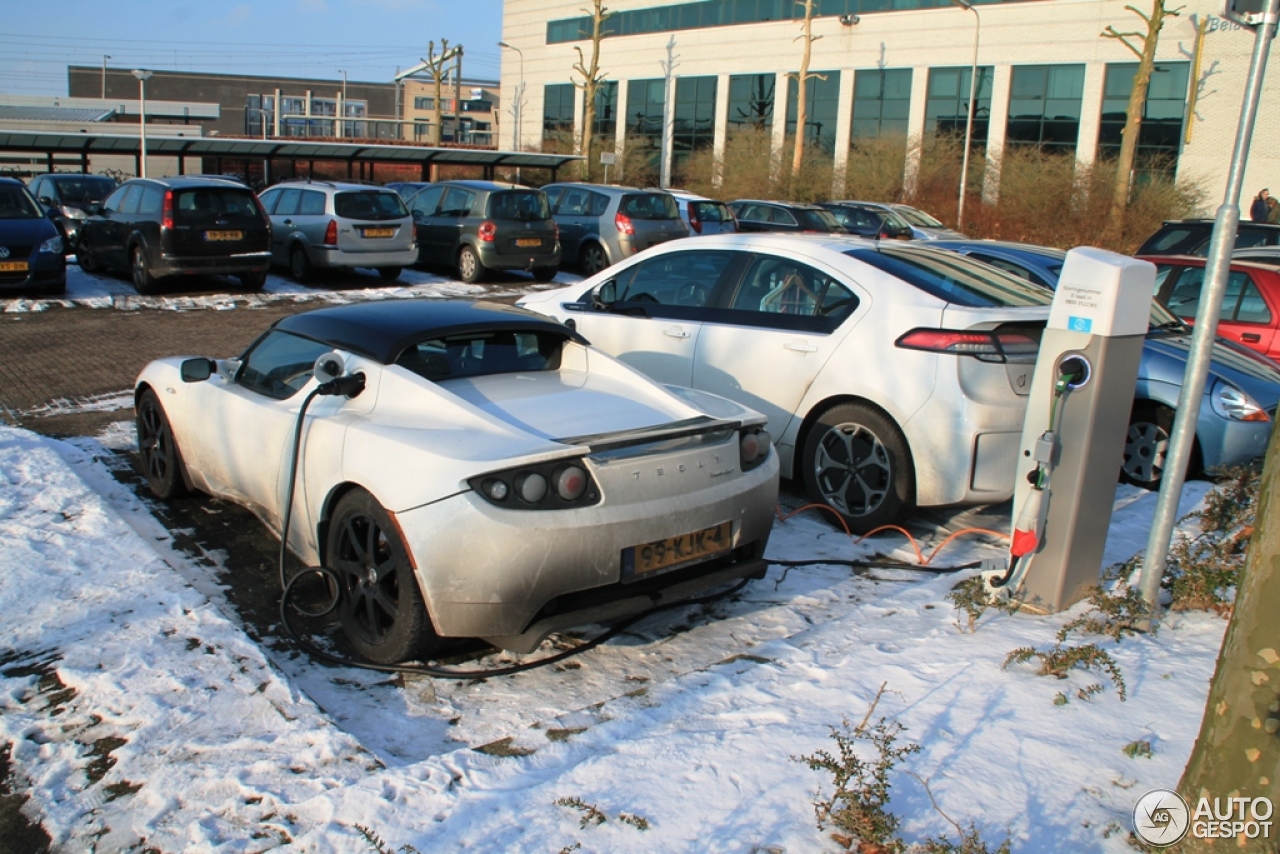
(1241, 392)
(31, 251)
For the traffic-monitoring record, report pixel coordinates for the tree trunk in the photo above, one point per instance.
(1238, 751)
(591, 78)
(802, 106)
(1133, 117)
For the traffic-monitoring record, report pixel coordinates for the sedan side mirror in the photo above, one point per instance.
(93, 208)
(45, 200)
(605, 296)
(197, 370)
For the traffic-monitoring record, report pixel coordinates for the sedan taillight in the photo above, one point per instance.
(987, 346)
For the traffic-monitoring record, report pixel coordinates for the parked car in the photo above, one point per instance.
(32, 257)
(792, 217)
(1258, 254)
(1235, 415)
(869, 220)
(1250, 306)
(324, 225)
(493, 477)
(892, 374)
(158, 227)
(407, 188)
(923, 226)
(601, 224)
(1191, 237)
(702, 215)
(69, 195)
(478, 226)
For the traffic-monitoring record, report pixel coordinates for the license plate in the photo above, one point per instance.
(13, 266)
(528, 241)
(379, 232)
(673, 551)
(223, 235)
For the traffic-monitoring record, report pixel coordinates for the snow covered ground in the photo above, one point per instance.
(141, 714)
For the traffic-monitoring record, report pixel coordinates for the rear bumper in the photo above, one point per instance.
(331, 257)
(494, 260)
(248, 262)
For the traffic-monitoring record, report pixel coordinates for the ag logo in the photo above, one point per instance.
(4, 251)
(1161, 817)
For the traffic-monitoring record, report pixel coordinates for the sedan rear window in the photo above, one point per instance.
(479, 354)
(953, 278)
(524, 205)
(369, 204)
(649, 206)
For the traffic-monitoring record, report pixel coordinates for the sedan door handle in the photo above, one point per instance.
(801, 346)
(675, 332)
(1251, 337)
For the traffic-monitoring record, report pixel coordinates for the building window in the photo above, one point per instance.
(424, 103)
(606, 122)
(644, 115)
(1162, 116)
(751, 101)
(695, 118)
(557, 111)
(822, 104)
(1044, 106)
(881, 103)
(259, 115)
(946, 107)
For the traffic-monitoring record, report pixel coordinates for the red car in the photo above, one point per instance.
(1250, 308)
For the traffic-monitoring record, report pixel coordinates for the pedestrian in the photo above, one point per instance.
(1258, 210)
(1273, 211)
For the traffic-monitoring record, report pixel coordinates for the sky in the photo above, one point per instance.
(369, 39)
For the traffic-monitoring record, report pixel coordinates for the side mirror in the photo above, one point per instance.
(93, 208)
(45, 200)
(197, 370)
(605, 295)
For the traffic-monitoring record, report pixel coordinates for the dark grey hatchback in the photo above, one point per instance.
(158, 227)
(477, 226)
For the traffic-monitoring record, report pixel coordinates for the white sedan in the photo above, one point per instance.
(893, 375)
(493, 476)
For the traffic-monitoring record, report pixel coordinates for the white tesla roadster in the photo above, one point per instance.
(487, 473)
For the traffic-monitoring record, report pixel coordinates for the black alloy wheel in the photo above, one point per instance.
(161, 460)
(143, 282)
(857, 462)
(299, 264)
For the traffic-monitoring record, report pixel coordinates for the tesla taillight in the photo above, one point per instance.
(988, 346)
(623, 223)
(331, 233)
(488, 231)
(166, 212)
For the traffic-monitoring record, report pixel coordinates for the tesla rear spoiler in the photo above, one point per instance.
(605, 442)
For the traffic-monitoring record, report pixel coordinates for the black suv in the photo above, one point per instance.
(791, 217)
(1191, 237)
(67, 196)
(158, 227)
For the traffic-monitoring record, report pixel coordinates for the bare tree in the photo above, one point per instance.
(1237, 753)
(436, 66)
(802, 78)
(1137, 100)
(592, 77)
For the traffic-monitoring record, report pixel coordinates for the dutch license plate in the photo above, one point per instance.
(661, 554)
(379, 232)
(528, 241)
(13, 266)
(223, 235)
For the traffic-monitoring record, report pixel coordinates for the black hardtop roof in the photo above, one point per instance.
(382, 329)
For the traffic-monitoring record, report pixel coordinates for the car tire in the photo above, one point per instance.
(85, 257)
(592, 259)
(389, 274)
(254, 281)
(470, 270)
(143, 281)
(162, 464)
(545, 274)
(381, 607)
(299, 264)
(1146, 445)
(857, 462)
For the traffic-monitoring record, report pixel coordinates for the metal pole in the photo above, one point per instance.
(342, 108)
(668, 115)
(105, 57)
(518, 110)
(1217, 267)
(968, 125)
(142, 116)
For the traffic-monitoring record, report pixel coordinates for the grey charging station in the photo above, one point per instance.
(1073, 437)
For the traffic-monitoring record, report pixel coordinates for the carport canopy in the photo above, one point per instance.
(85, 145)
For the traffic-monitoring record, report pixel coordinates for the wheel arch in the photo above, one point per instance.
(325, 518)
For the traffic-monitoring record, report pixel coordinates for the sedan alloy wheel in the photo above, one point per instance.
(856, 461)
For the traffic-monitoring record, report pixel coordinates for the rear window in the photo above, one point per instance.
(86, 189)
(483, 353)
(1168, 239)
(954, 278)
(711, 211)
(369, 204)
(649, 206)
(820, 220)
(213, 203)
(917, 217)
(524, 205)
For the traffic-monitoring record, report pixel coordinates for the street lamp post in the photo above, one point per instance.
(519, 105)
(105, 57)
(342, 111)
(973, 97)
(142, 76)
